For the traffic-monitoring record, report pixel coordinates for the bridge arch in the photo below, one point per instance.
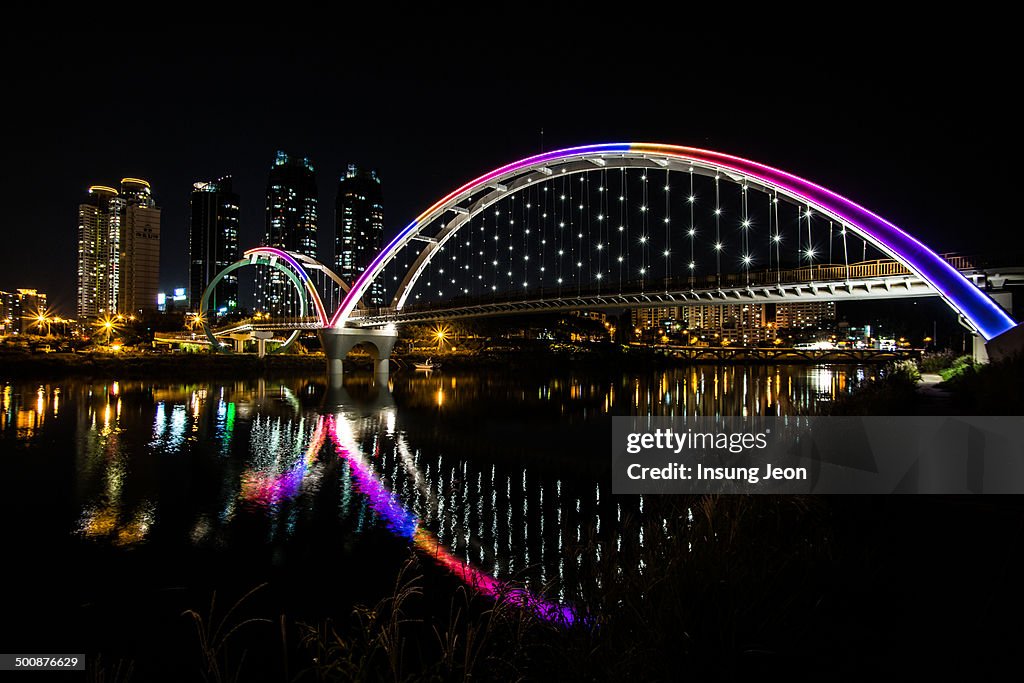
(975, 307)
(295, 267)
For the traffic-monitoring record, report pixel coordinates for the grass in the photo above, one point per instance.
(934, 363)
(957, 367)
(97, 671)
(214, 634)
(946, 363)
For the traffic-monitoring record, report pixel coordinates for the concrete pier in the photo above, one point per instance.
(337, 342)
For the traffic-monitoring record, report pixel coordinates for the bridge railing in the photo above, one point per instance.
(877, 268)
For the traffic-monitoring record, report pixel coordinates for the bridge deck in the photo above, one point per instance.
(870, 280)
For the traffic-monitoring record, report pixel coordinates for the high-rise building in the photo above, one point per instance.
(99, 250)
(291, 222)
(19, 312)
(719, 316)
(807, 315)
(292, 205)
(743, 323)
(118, 250)
(140, 248)
(359, 227)
(213, 243)
(654, 316)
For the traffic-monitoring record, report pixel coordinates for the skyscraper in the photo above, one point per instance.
(291, 205)
(213, 243)
(359, 227)
(140, 248)
(99, 249)
(118, 250)
(291, 222)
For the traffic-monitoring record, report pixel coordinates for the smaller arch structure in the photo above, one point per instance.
(296, 268)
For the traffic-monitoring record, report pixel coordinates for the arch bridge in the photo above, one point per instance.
(635, 224)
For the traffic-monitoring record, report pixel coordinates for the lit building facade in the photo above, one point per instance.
(99, 250)
(359, 227)
(807, 315)
(19, 312)
(118, 250)
(140, 253)
(291, 224)
(7, 318)
(651, 317)
(213, 243)
(744, 323)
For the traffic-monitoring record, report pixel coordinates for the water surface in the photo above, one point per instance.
(142, 495)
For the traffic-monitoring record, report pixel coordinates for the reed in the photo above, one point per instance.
(215, 633)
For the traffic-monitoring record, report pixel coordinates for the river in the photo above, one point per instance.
(145, 497)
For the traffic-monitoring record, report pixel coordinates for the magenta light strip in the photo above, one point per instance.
(303, 275)
(973, 304)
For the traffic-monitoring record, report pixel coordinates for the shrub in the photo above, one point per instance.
(958, 367)
(937, 362)
(906, 369)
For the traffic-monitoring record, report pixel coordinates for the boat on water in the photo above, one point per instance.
(428, 364)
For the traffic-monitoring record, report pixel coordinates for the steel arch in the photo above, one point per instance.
(974, 306)
(295, 273)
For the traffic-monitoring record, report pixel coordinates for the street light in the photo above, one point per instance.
(107, 325)
(43, 319)
(193, 320)
(440, 334)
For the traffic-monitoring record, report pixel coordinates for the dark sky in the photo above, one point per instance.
(913, 121)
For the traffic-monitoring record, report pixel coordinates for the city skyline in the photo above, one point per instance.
(895, 161)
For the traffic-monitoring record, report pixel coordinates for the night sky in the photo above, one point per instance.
(914, 122)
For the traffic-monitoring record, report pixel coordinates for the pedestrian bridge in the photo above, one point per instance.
(619, 225)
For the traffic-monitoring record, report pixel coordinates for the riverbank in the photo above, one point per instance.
(534, 356)
(902, 389)
(21, 365)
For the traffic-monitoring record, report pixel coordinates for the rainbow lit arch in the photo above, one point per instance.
(974, 306)
(295, 266)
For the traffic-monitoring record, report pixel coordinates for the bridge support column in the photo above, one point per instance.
(261, 337)
(1008, 343)
(337, 342)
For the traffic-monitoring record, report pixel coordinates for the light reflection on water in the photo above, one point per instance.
(468, 469)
